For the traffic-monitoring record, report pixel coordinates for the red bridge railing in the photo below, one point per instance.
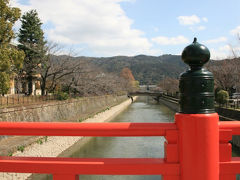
(70, 168)
(229, 166)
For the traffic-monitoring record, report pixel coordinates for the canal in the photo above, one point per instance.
(145, 109)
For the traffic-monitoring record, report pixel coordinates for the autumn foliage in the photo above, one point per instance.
(127, 74)
(130, 83)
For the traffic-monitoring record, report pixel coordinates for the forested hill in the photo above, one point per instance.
(146, 69)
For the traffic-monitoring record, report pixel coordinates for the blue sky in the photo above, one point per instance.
(131, 27)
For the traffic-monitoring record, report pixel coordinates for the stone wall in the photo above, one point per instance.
(228, 114)
(70, 110)
(173, 105)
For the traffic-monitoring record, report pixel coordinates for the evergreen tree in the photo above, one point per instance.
(31, 37)
(10, 58)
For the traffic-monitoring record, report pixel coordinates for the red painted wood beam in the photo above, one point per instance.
(101, 166)
(233, 125)
(230, 167)
(84, 129)
(198, 146)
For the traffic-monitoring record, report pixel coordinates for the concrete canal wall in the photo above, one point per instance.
(170, 103)
(70, 110)
(228, 114)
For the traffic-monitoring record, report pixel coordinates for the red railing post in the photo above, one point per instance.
(198, 146)
(197, 121)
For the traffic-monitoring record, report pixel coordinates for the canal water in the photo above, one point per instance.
(145, 109)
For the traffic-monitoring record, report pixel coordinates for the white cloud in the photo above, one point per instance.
(225, 48)
(217, 40)
(188, 20)
(197, 28)
(192, 22)
(156, 29)
(200, 28)
(225, 51)
(222, 52)
(205, 19)
(235, 31)
(101, 25)
(163, 40)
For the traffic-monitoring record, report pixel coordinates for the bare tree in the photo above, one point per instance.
(170, 85)
(54, 68)
(76, 76)
(227, 72)
(236, 53)
(95, 82)
(223, 72)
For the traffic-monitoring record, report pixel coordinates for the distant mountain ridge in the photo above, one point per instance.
(145, 69)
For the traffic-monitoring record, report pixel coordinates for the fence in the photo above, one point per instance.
(13, 100)
(231, 103)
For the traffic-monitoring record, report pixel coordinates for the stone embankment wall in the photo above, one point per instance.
(171, 103)
(70, 110)
(228, 114)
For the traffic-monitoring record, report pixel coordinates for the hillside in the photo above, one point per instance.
(146, 69)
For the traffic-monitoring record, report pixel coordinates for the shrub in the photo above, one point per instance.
(61, 96)
(216, 91)
(21, 148)
(39, 141)
(222, 97)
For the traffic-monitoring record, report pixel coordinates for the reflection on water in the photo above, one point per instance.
(143, 110)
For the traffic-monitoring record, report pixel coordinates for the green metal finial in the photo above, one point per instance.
(195, 40)
(195, 55)
(197, 84)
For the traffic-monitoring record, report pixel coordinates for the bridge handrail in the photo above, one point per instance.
(167, 166)
(230, 125)
(69, 168)
(85, 129)
(94, 166)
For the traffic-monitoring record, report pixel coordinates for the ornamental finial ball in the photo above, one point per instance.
(195, 55)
